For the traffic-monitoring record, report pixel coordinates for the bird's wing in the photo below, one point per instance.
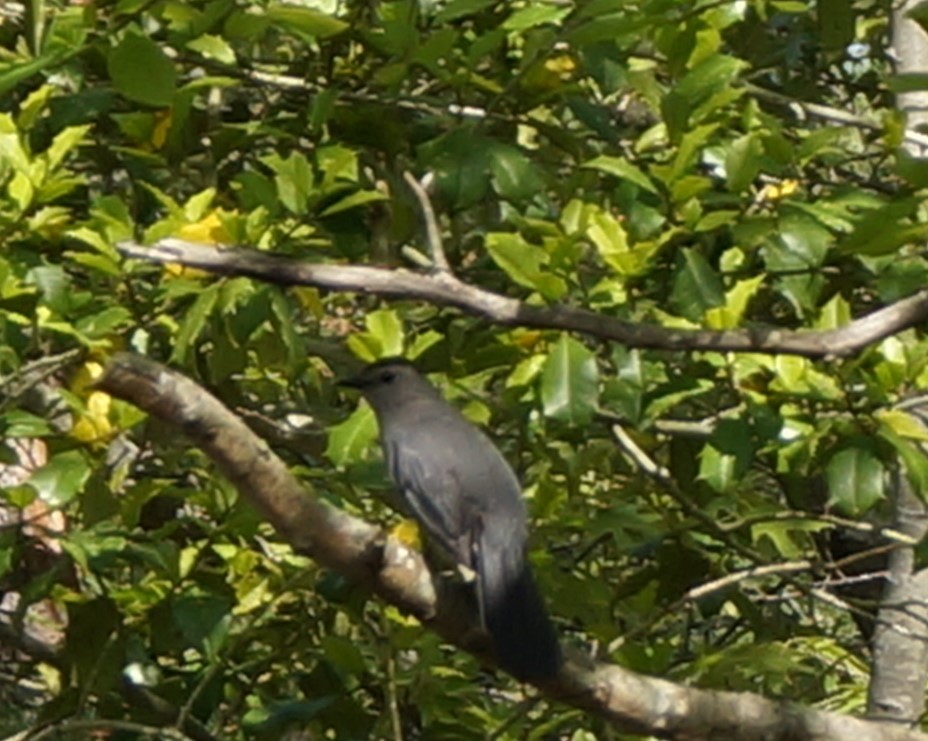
(432, 491)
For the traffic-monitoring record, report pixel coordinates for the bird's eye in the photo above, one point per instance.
(387, 376)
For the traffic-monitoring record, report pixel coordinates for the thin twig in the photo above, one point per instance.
(30, 375)
(432, 232)
(87, 729)
(790, 567)
(393, 703)
(828, 113)
(825, 518)
(642, 459)
(686, 503)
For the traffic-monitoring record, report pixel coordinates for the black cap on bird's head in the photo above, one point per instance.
(380, 373)
(390, 382)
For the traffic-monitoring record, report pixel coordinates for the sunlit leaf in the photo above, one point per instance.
(570, 382)
(349, 440)
(62, 478)
(855, 480)
(622, 169)
(305, 20)
(141, 71)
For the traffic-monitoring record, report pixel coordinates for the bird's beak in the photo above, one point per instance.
(352, 382)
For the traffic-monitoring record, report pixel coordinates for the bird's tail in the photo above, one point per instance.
(524, 639)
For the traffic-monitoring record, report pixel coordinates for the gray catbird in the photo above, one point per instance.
(463, 493)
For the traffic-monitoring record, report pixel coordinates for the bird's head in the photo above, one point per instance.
(389, 382)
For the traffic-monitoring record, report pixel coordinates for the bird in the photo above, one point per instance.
(459, 488)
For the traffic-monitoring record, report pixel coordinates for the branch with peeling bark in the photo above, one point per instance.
(442, 288)
(362, 552)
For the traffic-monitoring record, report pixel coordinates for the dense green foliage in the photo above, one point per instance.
(623, 156)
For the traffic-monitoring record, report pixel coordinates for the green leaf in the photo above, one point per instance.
(305, 20)
(7, 554)
(61, 479)
(798, 376)
(142, 72)
(194, 321)
(213, 47)
(63, 143)
(274, 721)
(514, 176)
(526, 371)
(535, 15)
(285, 326)
(104, 322)
(717, 469)
(728, 455)
(736, 303)
(913, 458)
(786, 535)
(386, 327)
(22, 191)
(743, 161)
(461, 9)
(622, 169)
(95, 240)
(460, 161)
(12, 151)
(609, 28)
(836, 313)
(611, 242)
(344, 654)
(570, 382)
(198, 616)
(523, 262)
(837, 20)
(55, 286)
(359, 198)
(422, 342)
(904, 424)
(855, 480)
(199, 204)
(349, 440)
(691, 147)
(383, 338)
(294, 179)
(884, 230)
(339, 165)
(13, 74)
(19, 423)
(697, 287)
(712, 75)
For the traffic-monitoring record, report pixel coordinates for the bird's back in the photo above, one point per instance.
(460, 470)
(462, 490)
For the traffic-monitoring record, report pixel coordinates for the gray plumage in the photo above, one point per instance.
(463, 493)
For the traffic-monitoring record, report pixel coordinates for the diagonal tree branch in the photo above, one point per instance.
(444, 289)
(360, 551)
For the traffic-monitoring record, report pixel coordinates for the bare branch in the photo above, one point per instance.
(640, 458)
(790, 567)
(824, 517)
(900, 641)
(443, 289)
(432, 232)
(35, 372)
(360, 551)
(351, 546)
(835, 115)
